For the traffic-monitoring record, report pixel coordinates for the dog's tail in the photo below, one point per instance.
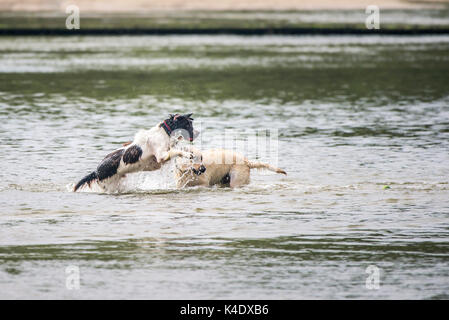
(261, 165)
(87, 179)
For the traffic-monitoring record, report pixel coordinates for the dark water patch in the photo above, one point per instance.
(102, 251)
(327, 248)
(302, 85)
(354, 30)
(13, 271)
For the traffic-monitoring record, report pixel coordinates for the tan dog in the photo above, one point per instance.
(217, 166)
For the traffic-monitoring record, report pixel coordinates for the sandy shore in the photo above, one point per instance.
(225, 16)
(146, 6)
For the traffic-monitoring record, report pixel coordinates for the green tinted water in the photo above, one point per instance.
(354, 114)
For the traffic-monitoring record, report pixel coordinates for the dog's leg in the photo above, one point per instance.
(261, 165)
(151, 164)
(239, 176)
(173, 153)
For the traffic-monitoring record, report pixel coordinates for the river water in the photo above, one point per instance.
(360, 124)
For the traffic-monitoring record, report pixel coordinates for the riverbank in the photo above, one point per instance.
(118, 6)
(328, 22)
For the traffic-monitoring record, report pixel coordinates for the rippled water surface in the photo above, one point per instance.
(363, 126)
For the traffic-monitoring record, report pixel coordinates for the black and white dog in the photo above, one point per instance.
(147, 152)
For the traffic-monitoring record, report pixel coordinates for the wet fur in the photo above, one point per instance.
(223, 167)
(147, 152)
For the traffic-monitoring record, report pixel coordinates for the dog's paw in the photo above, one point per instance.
(164, 158)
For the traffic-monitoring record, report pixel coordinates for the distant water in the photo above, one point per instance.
(363, 126)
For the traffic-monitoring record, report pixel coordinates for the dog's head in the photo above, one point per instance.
(194, 165)
(180, 125)
(196, 168)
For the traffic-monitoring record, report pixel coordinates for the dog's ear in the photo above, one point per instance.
(188, 116)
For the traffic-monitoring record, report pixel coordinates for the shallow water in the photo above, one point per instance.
(363, 127)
